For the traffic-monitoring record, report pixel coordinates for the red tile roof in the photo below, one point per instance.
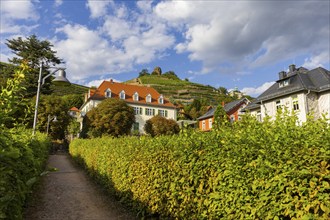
(130, 90)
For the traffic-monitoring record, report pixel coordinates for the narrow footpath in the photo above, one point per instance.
(68, 193)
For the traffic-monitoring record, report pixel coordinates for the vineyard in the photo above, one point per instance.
(248, 170)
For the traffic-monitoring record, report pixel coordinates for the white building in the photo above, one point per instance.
(146, 101)
(301, 91)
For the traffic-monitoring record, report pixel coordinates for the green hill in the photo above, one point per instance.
(68, 90)
(181, 91)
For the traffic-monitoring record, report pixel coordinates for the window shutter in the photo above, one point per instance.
(166, 113)
(153, 111)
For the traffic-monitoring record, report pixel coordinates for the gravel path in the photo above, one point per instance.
(69, 194)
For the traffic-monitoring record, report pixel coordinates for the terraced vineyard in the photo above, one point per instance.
(181, 90)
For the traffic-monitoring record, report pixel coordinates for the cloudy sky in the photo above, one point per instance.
(241, 44)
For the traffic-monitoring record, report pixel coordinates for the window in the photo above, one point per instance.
(161, 100)
(136, 96)
(295, 103)
(210, 123)
(137, 110)
(107, 93)
(203, 125)
(122, 94)
(150, 111)
(232, 119)
(284, 83)
(148, 98)
(278, 104)
(259, 116)
(162, 113)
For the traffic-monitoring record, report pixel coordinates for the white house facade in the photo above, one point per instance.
(145, 101)
(300, 91)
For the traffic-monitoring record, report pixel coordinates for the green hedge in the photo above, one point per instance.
(22, 159)
(250, 170)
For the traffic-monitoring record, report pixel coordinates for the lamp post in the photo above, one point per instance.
(59, 80)
(49, 119)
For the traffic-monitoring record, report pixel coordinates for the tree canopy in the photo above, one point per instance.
(32, 51)
(111, 117)
(159, 125)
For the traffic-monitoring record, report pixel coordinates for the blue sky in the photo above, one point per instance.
(241, 44)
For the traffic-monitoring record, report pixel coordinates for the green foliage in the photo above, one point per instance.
(144, 72)
(110, 117)
(220, 117)
(73, 100)
(14, 107)
(159, 125)
(171, 75)
(21, 157)
(31, 50)
(53, 106)
(250, 170)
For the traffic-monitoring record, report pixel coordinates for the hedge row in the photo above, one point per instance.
(22, 160)
(250, 170)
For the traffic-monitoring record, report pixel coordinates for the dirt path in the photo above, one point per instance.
(69, 194)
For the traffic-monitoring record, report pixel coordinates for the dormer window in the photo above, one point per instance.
(107, 93)
(136, 96)
(161, 100)
(122, 94)
(148, 98)
(284, 83)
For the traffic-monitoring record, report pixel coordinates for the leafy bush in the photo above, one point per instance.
(159, 125)
(22, 158)
(250, 170)
(110, 117)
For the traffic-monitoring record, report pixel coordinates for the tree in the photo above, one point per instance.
(31, 50)
(51, 105)
(223, 90)
(111, 117)
(73, 100)
(171, 75)
(220, 117)
(144, 72)
(159, 125)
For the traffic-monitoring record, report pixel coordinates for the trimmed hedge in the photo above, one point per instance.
(250, 170)
(22, 160)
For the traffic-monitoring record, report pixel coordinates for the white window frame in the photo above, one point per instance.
(203, 125)
(122, 94)
(163, 113)
(210, 122)
(259, 116)
(278, 104)
(295, 103)
(137, 110)
(148, 98)
(107, 93)
(150, 111)
(136, 97)
(161, 100)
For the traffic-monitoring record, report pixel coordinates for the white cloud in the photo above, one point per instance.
(58, 3)
(10, 13)
(98, 82)
(317, 61)
(98, 8)
(220, 32)
(258, 90)
(19, 9)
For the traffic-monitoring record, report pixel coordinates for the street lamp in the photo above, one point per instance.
(59, 80)
(50, 118)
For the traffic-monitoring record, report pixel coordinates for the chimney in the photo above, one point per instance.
(282, 75)
(292, 68)
(111, 81)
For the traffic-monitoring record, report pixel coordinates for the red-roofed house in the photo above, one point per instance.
(146, 101)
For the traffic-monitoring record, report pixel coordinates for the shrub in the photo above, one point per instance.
(250, 170)
(159, 125)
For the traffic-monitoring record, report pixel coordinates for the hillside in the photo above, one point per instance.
(181, 91)
(67, 90)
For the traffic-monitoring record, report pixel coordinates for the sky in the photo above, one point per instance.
(231, 44)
